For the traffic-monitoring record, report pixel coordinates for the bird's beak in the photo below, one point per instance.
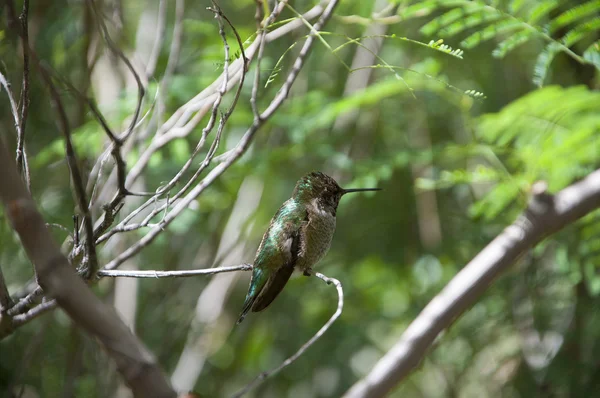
(345, 191)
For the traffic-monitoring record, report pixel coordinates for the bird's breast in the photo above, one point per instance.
(317, 240)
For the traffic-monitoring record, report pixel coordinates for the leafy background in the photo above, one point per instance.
(454, 131)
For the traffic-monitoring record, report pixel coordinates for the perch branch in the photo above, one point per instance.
(261, 377)
(244, 267)
(172, 274)
(545, 215)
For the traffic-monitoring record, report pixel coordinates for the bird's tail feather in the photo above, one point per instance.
(247, 305)
(272, 288)
(257, 283)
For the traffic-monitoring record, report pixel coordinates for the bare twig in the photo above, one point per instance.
(123, 227)
(117, 51)
(545, 215)
(243, 267)
(261, 377)
(22, 164)
(161, 18)
(297, 66)
(90, 261)
(13, 104)
(259, 14)
(172, 274)
(183, 120)
(25, 302)
(261, 48)
(113, 207)
(5, 300)
(33, 313)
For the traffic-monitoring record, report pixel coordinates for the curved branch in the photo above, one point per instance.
(261, 377)
(545, 215)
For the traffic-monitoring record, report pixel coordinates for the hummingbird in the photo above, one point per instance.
(298, 237)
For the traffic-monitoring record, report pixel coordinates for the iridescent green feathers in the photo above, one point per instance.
(276, 257)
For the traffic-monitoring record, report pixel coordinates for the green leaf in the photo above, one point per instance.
(580, 31)
(513, 42)
(490, 32)
(574, 14)
(425, 8)
(541, 10)
(449, 17)
(592, 54)
(544, 60)
(470, 22)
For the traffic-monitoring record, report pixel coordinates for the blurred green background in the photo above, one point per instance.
(455, 139)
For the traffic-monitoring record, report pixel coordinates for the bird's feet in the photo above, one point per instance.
(308, 272)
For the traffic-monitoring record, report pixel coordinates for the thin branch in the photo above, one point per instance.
(5, 300)
(161, 19)
(261, 48)
(90, 261)
(545, 215)
(180, 125)
(13, 104)
(261, 377)
(33, 313)
(123, 227)
(113, 207)
(22, 164)
(243, 267)
(171, 274)
(117, 51)
(299, 63)
(25, 302)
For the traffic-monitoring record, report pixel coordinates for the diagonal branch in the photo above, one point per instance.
(545, 215)
(22, 164)
(55, 275)
(5, 300)
(90, 262)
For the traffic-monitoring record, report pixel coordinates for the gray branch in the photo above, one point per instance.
(545, 215)
(264, 375)
(58, 279)
(171, 274)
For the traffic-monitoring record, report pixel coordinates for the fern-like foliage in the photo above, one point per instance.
(515, 22)
(550, 134)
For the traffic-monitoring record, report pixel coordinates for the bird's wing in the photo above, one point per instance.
(279, 277)
(276, 257)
